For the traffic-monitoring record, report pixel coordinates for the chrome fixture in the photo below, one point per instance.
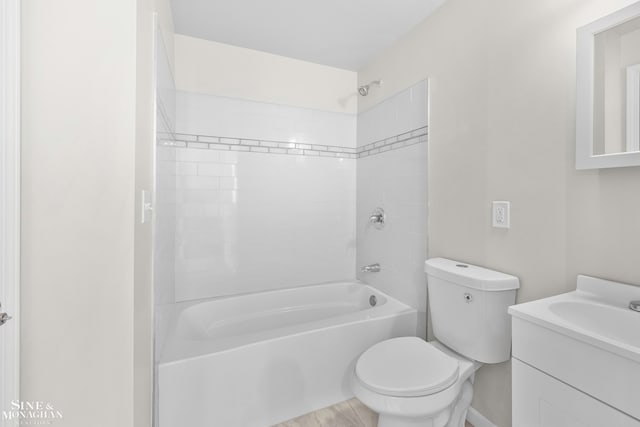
(371, 268)
(4, 317)
(377, 218)
(364, 89)
(373, 300)
(634, 305)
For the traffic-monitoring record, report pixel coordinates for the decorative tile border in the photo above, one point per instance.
(256, 146)
(402, 140)
(208, 142)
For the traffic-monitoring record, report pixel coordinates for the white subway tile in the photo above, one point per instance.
(230, 141)
(191, 155)
(228, 157)
(228, 183)
(268, 143)
(221, 147)
(198, 145)
(204, 138)
(240, 148)
(216, 169)
(186, 168)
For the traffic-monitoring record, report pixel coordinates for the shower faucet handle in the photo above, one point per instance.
(371, 268)
(377, 218)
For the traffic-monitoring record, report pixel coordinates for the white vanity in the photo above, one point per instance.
(576, 358)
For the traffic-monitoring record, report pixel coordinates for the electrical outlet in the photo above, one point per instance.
(501, 214)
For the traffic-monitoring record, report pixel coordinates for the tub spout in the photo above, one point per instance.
(372, 268)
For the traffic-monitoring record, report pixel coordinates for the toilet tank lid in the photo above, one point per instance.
(469, 275)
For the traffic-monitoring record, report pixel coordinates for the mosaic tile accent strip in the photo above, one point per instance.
(208, 142)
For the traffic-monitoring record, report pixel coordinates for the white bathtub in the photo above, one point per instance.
(259, 359)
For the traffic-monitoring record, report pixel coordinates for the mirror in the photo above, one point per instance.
(608, 91)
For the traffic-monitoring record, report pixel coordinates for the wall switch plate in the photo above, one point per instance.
(147, 207)
(501, 214)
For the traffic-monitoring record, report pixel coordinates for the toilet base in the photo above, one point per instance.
(439, 420)
(454, 416)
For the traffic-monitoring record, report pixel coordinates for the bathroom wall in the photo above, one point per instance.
(395, 178)
(502, 127)
(219, 69)
(265, 196)
(87, 136)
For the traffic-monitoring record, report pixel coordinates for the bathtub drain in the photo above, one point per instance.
(373, 300)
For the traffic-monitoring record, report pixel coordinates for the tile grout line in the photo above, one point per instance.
(208, 142)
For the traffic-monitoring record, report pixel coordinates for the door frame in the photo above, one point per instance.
(10, 200)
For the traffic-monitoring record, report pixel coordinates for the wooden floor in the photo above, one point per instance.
(350, 413)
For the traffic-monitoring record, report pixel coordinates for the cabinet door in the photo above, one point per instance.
(540, 400)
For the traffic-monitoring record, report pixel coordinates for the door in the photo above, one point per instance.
(9, 208)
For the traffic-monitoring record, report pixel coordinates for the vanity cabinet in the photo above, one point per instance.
(576, 358)
(539, 400)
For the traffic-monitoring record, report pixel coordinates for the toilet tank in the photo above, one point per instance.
(468, 306)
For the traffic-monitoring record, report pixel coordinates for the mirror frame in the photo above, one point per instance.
(585, 49)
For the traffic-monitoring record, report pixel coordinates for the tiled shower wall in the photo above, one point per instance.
(396, 180)
(265, 196)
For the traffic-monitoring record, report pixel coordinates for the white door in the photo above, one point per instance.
(9, 207)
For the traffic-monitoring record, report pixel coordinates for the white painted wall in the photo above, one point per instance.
(78, 174)
(395, 180)
(87, 89)
(218, 69)
(502, 127)
(10, 204)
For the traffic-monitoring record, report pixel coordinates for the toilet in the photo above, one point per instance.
(410, 382)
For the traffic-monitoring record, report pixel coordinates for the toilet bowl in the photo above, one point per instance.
(410, 382)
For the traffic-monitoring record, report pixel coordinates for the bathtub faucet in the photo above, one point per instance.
(372, 268)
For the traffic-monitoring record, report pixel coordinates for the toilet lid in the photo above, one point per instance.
(407, 366)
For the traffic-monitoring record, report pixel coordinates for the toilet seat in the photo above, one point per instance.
(406, 367)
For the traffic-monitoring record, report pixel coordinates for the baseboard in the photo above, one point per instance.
(477, 419)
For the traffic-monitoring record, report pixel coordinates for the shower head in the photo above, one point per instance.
(364, 89)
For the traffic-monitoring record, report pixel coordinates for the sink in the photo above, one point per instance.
(587, 339)
(608, 322)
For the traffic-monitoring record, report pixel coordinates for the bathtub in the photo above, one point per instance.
(259, 359)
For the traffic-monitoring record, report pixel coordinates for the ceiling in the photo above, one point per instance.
(340, 33)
